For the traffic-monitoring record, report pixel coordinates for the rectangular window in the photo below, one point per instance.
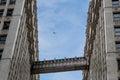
(117, 31)
(115, 3)
(116, 16)
(2, 39)
(1, 51)
(118, 61)
(3, 2)
(12, 1)
(9, 12)
(117, 46)
(6, 25)
(1, 12)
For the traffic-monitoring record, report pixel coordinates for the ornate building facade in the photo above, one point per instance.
(103, 40)
(18, 39)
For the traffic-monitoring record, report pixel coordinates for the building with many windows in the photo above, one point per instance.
(18, 39)
(103, 40)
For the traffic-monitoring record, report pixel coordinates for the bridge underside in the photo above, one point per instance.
(59, 65)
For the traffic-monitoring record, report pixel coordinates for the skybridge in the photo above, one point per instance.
(59, 65)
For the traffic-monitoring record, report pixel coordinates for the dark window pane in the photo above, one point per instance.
(2, 39)
(1, 51)
(117, 31)
(115, 3)
(1, 12)
(12, 1)
(6, 25)
(9, 12)
(118, 61)
(118, 46)
(3, 2)
(116, 16)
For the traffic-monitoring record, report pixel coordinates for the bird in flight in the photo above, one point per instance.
(54, 32)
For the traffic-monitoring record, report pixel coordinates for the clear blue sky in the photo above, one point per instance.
(62, 25)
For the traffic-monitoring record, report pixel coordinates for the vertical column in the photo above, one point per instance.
(110, 41)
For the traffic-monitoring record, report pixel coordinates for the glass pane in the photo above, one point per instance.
(1, 51)
(117, 19)
(3, 1)
(118, 64)
(118, 50)
(1, 12)
(9, 12)
(3, 39)
(12, 1)
(115, 3)
(117, 29)
(6, 25)
(118, 45)
(116, 15)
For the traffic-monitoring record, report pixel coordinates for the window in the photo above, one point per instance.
(1, 51)
(12, 1)
(115, 3)
(116, 16)
(6, 25)
(117, 31)
(118, 61)
(117, 46)
(9, 12)
(2, 39)
(3, 2)
(1, 12)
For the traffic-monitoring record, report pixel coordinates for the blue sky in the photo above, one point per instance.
(61, 26)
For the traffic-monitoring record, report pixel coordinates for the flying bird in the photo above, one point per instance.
(54, 32)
